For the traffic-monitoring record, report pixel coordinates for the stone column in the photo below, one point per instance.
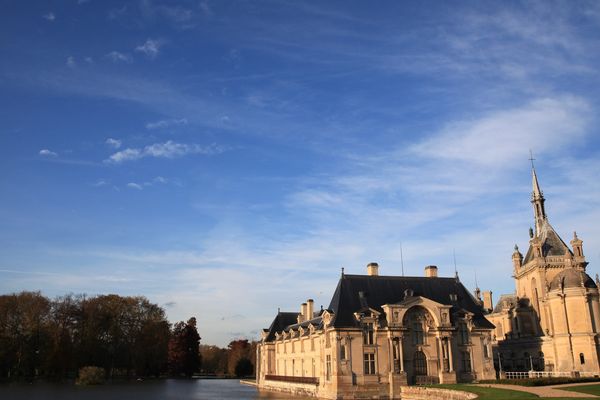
(401, 351)
(450, 358)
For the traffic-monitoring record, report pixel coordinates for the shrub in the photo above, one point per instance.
(90, 376)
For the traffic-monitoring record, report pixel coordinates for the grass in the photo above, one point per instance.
(588, 389)
(486, 393)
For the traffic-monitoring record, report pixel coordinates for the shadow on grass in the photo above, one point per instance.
(587, 389)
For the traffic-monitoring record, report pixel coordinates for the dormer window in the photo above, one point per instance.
(453, 297)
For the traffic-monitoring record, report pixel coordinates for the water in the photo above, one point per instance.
(168, 389)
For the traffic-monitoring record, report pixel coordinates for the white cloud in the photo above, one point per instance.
(48, 153)
(114, 143)
(116, 56)
(71, 62)
(501, 137)
(160, 179)
(89, 60)
(151, 48)
(169, 149)
(134, 185)
(50, 16)
(100, 182)
(164, 123)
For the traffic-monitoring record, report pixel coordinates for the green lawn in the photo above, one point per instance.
(589, 389)
(486, 393)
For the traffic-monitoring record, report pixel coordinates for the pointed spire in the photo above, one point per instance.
(537, 199)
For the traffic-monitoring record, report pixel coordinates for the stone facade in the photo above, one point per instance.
(379, 334)
(552, 321)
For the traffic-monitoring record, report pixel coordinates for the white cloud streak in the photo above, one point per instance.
(165, 123)
(133, 185)
(48, 153)
(117, 57)
(168, 149)
(150, 48)
(49, 17)
(114, 143)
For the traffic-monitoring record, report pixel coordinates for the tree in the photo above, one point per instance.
(238, 350)
(184, 352)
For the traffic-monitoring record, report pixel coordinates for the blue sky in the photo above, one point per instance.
(226, 158)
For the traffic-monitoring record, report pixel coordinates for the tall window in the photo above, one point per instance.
(368, 333)
(464, 334)
(328, 367)
(466, 361)
(342, 351)
(486, 351)
(369, 363)
(418, 333)
(581, 358)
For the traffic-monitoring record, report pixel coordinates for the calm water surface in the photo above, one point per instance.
(169, 389)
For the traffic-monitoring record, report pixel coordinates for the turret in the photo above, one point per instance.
(577, 245)
(517, 258)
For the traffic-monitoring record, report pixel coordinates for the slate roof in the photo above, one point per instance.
(380, 290)
(552, 244)
(570, 278)
(506, 301)
(281, 322)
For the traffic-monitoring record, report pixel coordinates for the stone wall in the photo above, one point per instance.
(406, 392)
(296, 389)
(422, 393)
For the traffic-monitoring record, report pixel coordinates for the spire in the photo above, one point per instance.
(537, 199)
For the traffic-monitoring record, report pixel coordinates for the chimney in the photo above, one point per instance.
(302, 316)
(488, 304)
(431, 271)
(373, 269)
(309, 309)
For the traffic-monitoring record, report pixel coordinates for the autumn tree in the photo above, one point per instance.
(184, 353)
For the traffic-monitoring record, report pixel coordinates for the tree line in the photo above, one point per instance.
(125, 336)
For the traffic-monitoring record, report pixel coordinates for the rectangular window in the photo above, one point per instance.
(464, 334)
(342, 352)
(328, 367)
(418, 333)
(369, 363)
(368, 334)
(466, 358)
(486, 350)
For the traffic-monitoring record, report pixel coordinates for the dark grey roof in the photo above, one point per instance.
(282, 320)
(552, 244)
(380, 290)
(506, 301)
(570, 278)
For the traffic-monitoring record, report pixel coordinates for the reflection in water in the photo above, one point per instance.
(169, 389)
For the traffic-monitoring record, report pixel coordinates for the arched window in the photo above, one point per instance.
(420, 363)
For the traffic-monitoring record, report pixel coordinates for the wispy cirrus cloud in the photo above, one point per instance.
(136, 186)
(150, 48)
(168, 149)
(116, 57)
(165, 123)
(541, 124)
(114, 143)
(47, 153)
(49, 17)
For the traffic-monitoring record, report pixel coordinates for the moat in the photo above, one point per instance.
(168, 389)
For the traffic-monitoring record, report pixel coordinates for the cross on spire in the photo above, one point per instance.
(531, 158)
